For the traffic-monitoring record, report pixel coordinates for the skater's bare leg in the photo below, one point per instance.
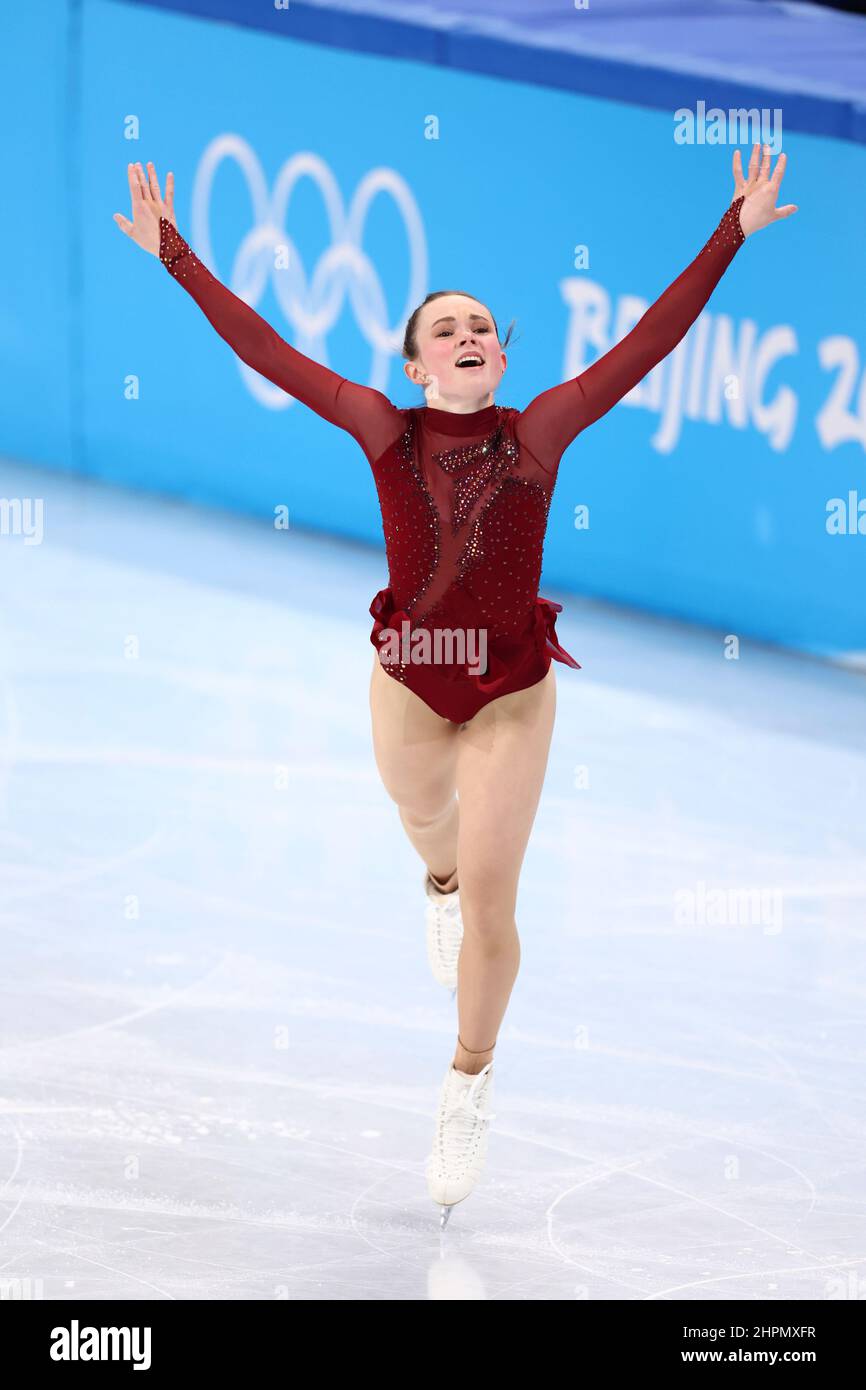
(416, 754)
(501, 762)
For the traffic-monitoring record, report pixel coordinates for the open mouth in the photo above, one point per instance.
(469, 361)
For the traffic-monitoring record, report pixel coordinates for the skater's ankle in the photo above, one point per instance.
(444, 885)
(470, 1064)
(471, 1068)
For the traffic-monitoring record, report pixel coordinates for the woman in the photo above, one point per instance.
(462, 691)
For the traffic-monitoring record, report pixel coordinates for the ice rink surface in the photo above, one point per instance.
(220, 1043)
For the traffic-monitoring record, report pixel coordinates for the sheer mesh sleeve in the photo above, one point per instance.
(554, 419)
(366, 414)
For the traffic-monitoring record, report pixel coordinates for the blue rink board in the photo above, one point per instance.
(701, 507)
(646, 52)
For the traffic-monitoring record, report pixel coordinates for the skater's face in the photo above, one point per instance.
(448, 330)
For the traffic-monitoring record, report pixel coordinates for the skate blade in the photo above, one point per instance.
(446, 1210)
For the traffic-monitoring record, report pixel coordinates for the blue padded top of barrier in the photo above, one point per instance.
(807, 59)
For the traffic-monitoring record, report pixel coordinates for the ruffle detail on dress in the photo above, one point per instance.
(385, 615)
(545, 628)
(506, 656)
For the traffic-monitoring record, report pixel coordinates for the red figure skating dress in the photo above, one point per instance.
(464, 498)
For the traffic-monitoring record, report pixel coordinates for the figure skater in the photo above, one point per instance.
(462, 690)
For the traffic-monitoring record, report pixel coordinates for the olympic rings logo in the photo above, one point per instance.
(311, 305)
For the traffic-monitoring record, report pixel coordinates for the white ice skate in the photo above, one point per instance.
(460, 1140)
(444, 933)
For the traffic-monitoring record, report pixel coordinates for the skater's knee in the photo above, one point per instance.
(487, 907)
(425, 812)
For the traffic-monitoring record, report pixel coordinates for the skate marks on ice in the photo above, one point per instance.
(220, 1047)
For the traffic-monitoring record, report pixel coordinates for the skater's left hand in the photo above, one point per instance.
(759, 191)
(147, 207)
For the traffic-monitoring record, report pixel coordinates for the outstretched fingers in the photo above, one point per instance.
(153, 182)
(765, 163)
(775, 181)
(743, 185)
(134, 186)
(147, 206)
(143, 186)
(761, 189)
(778, 172)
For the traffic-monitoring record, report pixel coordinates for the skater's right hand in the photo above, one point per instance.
(147, 207)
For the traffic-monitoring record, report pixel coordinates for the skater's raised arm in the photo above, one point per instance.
(366, 414)
(554, 419)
